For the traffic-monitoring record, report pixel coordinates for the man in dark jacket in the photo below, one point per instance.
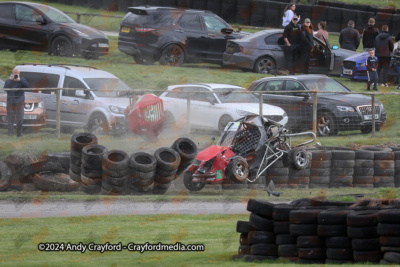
(383, 49)
(291, 36)
(15, 102)
(369, 35)
(349, 37)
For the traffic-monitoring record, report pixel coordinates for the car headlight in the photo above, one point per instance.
(345, 108)
(362, 64)
(40, 104)
(244, 113)
(117, 110)
(3, 104)
(382, 108)
(80, 33)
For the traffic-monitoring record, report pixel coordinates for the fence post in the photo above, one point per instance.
(373, 115)
(315, 107)
(58, 118)
(261, 104)
(78, 18)
(188, 112)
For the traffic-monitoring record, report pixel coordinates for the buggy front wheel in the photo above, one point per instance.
(299, 158)
(190, 185)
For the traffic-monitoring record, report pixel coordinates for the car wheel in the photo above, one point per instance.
(190, 185)
(62, 46)
(143, 60)
(172, 55)
(264, 65)
(223, 122)
(326, 125)
(98, 124)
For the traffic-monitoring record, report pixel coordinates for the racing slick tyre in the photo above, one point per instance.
(142, 162)
(190, 185)
(237, 170)
(299, 158)
(6, 176)
(186, 149)
(92, 156)
(167, 158)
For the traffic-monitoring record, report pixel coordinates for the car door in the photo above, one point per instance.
(7, 26)
(275, 46)
(29, 29)
(322, 58)
(175, 102)
(75, 104)
(192, 28)
(203, 113)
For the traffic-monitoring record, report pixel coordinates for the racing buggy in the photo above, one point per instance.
(249, 145)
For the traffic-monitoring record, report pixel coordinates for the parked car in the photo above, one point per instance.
(263, 52)
(35, 115)
(37, 27)
(354, 67)
(213, 111)
(100, 109)
(335, 111)
(174, 36)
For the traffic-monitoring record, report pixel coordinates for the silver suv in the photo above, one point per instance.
(98, 110)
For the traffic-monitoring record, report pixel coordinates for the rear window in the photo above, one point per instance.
(132, 19)
(163, 17)
(41, 80)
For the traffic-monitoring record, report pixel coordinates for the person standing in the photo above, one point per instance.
(372, 65)
(349, 37)
(396, 55)
(291, 36)
(383, 49)
(288, 14)
(306, 43)
(15, 102)
(322, 31)
(369, 35)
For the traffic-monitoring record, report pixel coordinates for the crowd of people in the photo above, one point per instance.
(379, 45)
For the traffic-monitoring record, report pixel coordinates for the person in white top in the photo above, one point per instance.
(288, 14)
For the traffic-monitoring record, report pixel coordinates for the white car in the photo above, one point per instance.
(212, 111)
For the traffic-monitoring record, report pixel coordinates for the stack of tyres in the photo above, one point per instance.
(243, 227)
(332, 225)
(168, 161)
(279, 173)
(363, 169)
(115, 166)
(262, 238)
(142, 168)
(320, 168)
(389, 235)
(396, 152)
(78, 142)
(304, 225)
(284, 239)
(342, 168)
(384, 169)
(91, 169)
(187, 150)
(362, 228)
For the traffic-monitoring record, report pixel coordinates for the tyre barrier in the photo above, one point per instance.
(168, 161)
(336, 235)
(114, 172)
(279, 173)
(91, 168)
(78, 142)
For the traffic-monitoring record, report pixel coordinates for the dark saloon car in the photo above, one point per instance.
(37, 27)
(173, 36)
(263, 52)
(335, 111)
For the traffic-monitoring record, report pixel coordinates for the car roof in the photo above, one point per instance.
(61, 69)
(145, 10)
(26, 3)
(209, 86)
(295, 77)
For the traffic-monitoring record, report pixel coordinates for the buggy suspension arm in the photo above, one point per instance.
(300, 134)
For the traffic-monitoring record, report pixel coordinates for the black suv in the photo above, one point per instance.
(338, 110)
(173, 36)
(32, 26)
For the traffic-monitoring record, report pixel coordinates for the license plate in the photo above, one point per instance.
(125, 29)
(348, 72)
(103, 45)
(30, 117)
(230, 49)
(369, 117)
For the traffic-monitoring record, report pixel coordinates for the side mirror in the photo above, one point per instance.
(335, 47)
(226, 31)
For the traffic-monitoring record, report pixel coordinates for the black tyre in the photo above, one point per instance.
(332, 217)
(91, 173)
(384, 155)
(258, 258)
(289, 250)
(299, 158)
(142, 162)
(392, 257)
(89, 181)
(312, 253)
(304, 229)
(360, 180)
(364, 154)
(6, 176)
(237, 170)
(341, 254)
(186, 149)
(366, 244)
(332, 230)
(115, 160)
(265, 65)
(307, 216)
(243, 240)
(223, 121)
(260, 223)
(281, 212)
(285, 239)
(321, 164)
(262, 208)
(320, 172)
(385, 229)
(343, 163)
(278, 171)
(363, 171)
(281, 227)
(362, 232)
(91, 189)
(75, 169)
(172, 55)
(326, 125)
(161, 172)
(299, 173)
(320, 155)
(363, 163)
(370, 256)
(362, 218)
(109, 189)
(98, 124)
(338, 242)
(62, 46)
(160, 189)
(243, 227)
(75, 161)
(80, 140)
(190, 185)
(389, 216)
(167, 158)
(264, 250)
(159, 179)
(74, 176)
(261, 237)
(383, 172)
(92, 156)
(310, 242)
(141, 189)
(343, 155)
(320, 181)
(244, 250)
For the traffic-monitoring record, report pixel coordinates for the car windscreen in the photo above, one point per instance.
(235, 95)
(325, 85)
(54, 14)
(108, 87)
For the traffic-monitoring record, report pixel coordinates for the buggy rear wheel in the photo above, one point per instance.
(299, 158)
(190, 185)
(237, 170)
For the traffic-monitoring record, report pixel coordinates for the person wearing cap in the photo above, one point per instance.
(288, 14)
(349, 37)
(306, 43)
(369, 35)
(291, 36)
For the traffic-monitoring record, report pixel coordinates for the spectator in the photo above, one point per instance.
(291, 36)
(397, 37)
(349, 37)
(372, 64)
(396, 55)
(369, 35)
(15, 102)
(306, 43)
(383, 49)
(322, 31)
(288, 14)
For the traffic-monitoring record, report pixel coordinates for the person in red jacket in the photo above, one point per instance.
(372, 65)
